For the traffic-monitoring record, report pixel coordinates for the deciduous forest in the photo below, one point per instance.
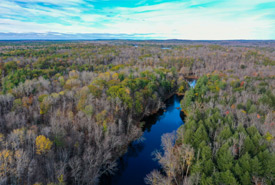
(69, 109)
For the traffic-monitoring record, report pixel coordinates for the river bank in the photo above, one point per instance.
(138, 160)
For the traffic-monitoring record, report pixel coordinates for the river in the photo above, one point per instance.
(134, 165)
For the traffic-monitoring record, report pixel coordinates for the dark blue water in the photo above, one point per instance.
(138, 161)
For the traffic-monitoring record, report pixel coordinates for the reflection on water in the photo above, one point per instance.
(192, 83)
(138, 161)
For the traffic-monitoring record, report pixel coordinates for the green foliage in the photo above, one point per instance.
(17, 103)
(10, 66)
(252, 109)
(61, 80)
(89, 110)
(226, 177)
(240, 106)
(42, 97)
(225, 133)
(200, 135)
(59, 141)
(230, 164)
(121, 93)
(269, 99)
(96, 91)
(224, 158)
(117, 67)
(268, 62)
(93, 85)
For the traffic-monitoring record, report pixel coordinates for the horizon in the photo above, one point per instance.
(137, 20)
(20, 38)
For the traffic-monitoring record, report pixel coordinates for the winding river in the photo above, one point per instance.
(134, 165)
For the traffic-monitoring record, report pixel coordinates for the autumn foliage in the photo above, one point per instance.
(69, 109)
(43, 144)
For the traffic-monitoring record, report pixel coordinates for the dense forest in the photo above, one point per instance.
(68, 110)
(228, 135)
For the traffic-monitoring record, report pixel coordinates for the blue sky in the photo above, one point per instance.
(159, 19)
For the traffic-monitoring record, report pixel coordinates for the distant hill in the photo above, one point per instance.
(124, 37)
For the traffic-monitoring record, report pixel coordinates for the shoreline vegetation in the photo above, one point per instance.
(225, 139)
(68, 109)
(137, 161)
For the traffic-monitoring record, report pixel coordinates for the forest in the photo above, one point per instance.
(69, 109)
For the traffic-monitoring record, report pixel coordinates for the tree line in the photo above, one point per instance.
(69, 109)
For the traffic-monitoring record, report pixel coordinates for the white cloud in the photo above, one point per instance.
(14, 26)
(92, 18)
(56, 2)
(176, 21)
(224, 20)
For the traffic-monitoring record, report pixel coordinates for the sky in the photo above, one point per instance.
(138, 19)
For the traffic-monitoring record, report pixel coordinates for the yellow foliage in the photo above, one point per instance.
(1, 137)
(105, 76)
(127, 90)
(42, 97)
(115, 76)
(61, 93)
(43, 144)
(41, 111)
(70, 83)
(181, 89)
(61, 80)
(81, 104)
(5, 162)
(268, 136)
(244, 111)
(73, 74)
(44, 107)
(55, 95)
(18, 154)
(105, 126)
(61, 180)
(6, 155)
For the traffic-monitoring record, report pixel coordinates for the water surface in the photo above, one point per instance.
(138, 161)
